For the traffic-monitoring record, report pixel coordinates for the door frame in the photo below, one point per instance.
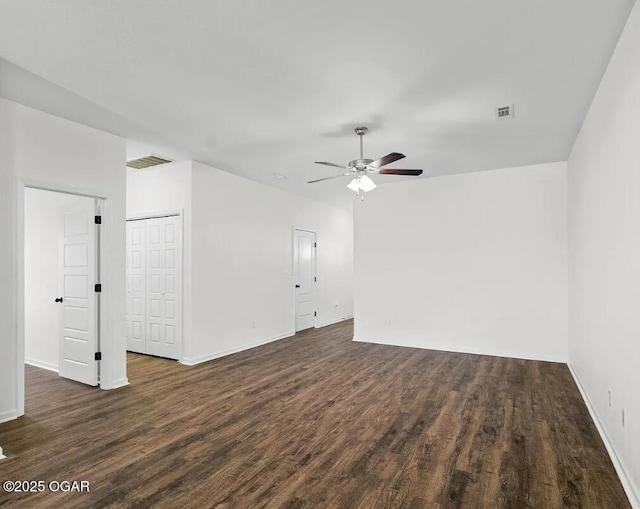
(103, 309)
(180, 214)
(293, 273)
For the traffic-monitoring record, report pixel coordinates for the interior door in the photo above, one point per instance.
(304, 261)
(163, 287)
(79, 334)
(136, 301)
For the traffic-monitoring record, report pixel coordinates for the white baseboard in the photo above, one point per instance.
(192, 361)
(334, 322)
(444, 348)
(41, 364)
(122, 382)
(8, 416)
(2, 456)
(627, 482)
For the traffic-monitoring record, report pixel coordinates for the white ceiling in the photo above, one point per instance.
(261, 87)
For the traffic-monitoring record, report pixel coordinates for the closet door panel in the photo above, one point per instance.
(163, 299)
(136, 302)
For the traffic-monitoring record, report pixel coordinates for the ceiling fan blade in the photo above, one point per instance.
(327, 178)
(331, 164)
(400, 172)
(388, 159)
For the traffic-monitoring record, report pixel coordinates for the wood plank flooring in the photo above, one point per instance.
(315, 421)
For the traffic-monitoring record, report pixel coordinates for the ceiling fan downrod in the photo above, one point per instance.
(361, 131)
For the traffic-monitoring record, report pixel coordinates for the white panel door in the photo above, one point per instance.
(79, 334)
(163, 287)
(304, 261)
(136, 301)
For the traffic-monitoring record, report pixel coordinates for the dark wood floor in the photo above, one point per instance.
(315, 421)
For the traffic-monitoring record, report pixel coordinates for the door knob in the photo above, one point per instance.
(59, 299)
(297, 286)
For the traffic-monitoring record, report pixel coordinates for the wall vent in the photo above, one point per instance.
(147, 161)
(504, 112)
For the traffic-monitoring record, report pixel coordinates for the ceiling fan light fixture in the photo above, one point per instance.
(363, 183)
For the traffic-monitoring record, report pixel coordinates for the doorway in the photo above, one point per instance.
(304, 276)
(62, 289)
(154, 286)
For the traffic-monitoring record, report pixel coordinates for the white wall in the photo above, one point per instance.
(8, 267)
(239, 254)
(604, 251)
(41, 274)
(473, 263)
(243, 261)
(167, 188)
(42, 148)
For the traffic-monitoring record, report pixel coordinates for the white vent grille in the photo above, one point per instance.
(504, 112)
(147, 161)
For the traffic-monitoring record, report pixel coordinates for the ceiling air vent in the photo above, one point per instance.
(147, 161)
(504, 112)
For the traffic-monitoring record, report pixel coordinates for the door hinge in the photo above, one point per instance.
(98, 356)
(315, 279)
(315, 244)
(98, 219)
(98, 288)
(315, 313)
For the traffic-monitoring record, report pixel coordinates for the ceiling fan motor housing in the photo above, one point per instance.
(359, 164)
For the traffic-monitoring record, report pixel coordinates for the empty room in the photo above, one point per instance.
(339, 254)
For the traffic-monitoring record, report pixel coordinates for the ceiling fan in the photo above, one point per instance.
(361, 168)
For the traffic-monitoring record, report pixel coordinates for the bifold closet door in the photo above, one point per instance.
(154, 283)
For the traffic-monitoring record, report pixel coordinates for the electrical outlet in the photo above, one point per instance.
(609, 397)
(623, 419)
(253, 325)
